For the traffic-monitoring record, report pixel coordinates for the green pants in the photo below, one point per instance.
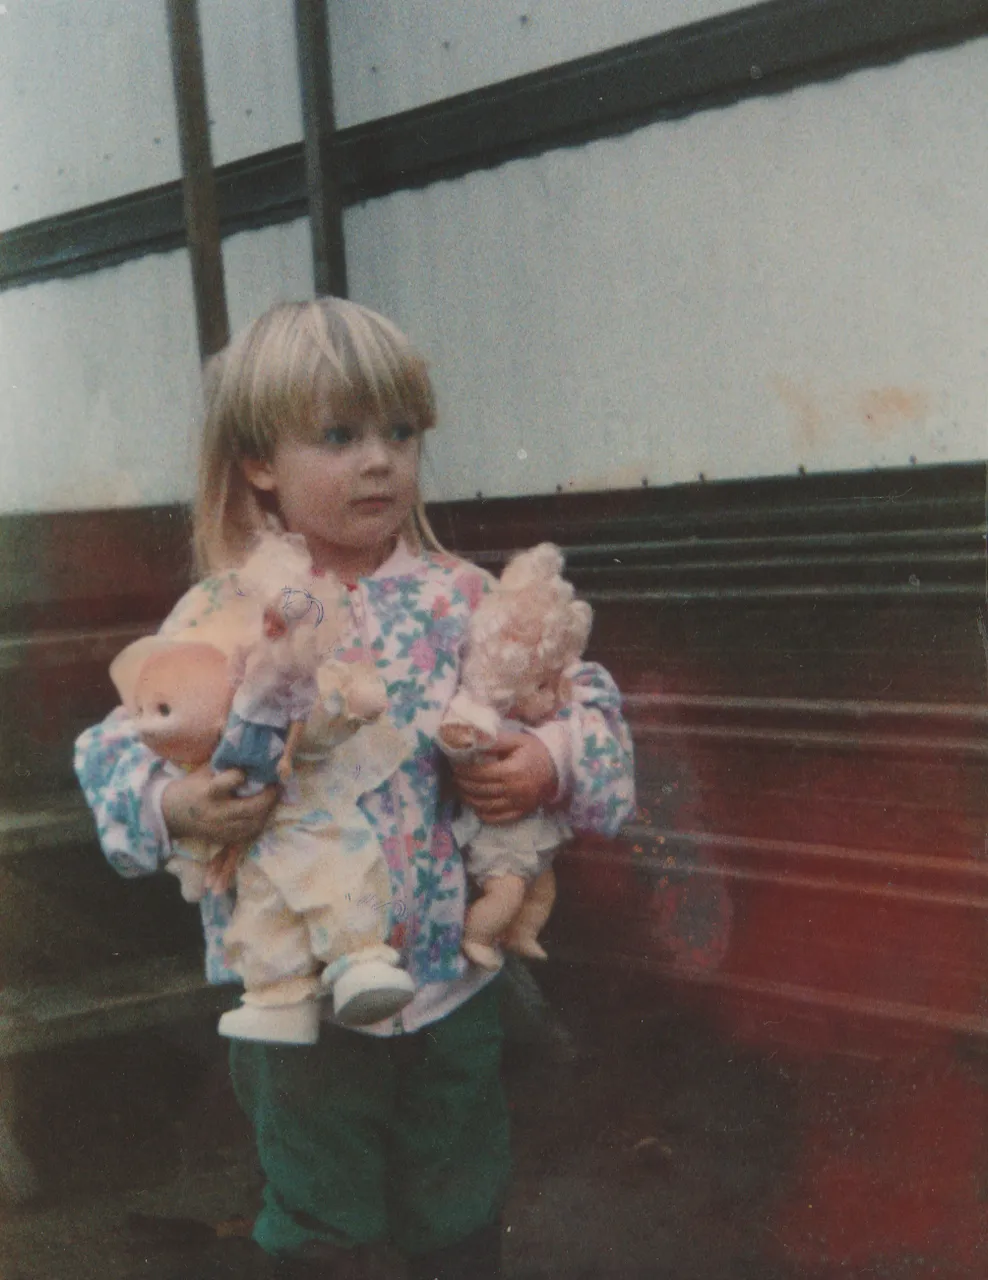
(364, 1139)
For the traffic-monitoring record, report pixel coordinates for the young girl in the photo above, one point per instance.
(397, 1132)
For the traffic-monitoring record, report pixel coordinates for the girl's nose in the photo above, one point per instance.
(374, 453)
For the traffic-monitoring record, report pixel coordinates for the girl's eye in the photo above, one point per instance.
(401, 432)
(338, 437)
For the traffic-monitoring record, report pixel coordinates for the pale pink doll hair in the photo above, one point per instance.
(524, 634)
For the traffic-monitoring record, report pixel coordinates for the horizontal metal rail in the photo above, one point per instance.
(880, 863)
(638, 704)
(787, 994)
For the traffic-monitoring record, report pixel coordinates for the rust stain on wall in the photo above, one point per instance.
(803, 406)
(885, 409)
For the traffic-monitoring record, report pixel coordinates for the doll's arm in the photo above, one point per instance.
(468, 726)
(590, 744)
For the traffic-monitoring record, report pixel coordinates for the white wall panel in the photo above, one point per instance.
(263, 267)
(86, 105)
(251, 75)
(389, 57)
(86, 108)
(101, 399)
(100, 379)
(795, 281)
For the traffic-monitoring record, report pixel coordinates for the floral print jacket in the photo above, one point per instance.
(411, 617)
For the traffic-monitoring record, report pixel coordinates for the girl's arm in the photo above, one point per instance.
(590, 745)
(580, 763)
(123, 781)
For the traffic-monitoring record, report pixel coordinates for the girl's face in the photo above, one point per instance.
(348, 493)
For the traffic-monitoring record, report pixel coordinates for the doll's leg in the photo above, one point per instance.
(269, 947)
(523, 934)
(490, 916)
(362, 973)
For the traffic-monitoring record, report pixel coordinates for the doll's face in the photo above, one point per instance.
(538, 700)
(181, 702)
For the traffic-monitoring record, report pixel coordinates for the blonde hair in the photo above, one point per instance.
(270, 383)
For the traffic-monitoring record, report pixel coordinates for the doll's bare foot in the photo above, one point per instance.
(523, 945)
(482, 954)
(523, 935)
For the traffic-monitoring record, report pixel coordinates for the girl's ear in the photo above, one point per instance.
(259, 474)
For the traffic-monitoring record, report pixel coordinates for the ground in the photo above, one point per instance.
(644, 1148)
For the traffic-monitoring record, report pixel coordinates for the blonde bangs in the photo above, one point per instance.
(365, 367)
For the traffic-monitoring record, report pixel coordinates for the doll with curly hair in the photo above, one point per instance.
(524, 637)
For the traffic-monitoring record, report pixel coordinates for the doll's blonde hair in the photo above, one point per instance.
(276, 380)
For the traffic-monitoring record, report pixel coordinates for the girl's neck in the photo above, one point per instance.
(349, 563)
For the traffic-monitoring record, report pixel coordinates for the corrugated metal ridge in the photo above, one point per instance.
(785, 736)
(53, 648)
(786, 993)
(634, 566)
(111, 1002)
(896, 538)
(633, 560)
(762, 49)
(640, 704)
(57, 823)
(847, 591)
(796, 882)
(811, 522)
(875, 862)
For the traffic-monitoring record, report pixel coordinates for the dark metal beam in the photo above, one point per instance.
(767, 48)
(200, 208)
(319, 128)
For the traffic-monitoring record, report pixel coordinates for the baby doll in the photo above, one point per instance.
(179, 696)
(523, 637)
(313, 898)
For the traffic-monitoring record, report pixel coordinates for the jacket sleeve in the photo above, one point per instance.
(122, 779)
(591, 747)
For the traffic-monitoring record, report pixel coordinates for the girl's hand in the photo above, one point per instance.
(515, 775)
(205, 806)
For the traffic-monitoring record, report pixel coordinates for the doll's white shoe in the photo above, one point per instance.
(274, 1024)
(370, 991)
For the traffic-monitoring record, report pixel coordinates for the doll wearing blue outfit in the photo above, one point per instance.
(275, 689)
(398, 1131)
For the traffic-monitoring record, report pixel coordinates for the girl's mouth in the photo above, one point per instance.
(372, 505)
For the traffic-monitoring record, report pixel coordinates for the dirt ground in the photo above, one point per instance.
(644, 1148)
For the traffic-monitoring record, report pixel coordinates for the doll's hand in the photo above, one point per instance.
(511, 780)
(205, 806)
